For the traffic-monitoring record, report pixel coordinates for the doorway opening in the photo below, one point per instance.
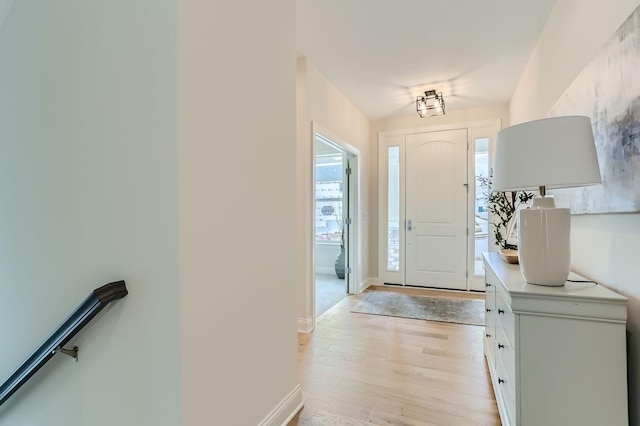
(334, 214)
(434, 224)
(426, 209)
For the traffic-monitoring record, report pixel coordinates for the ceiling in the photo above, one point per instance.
(381, 54)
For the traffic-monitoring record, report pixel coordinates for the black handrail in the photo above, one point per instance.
(88, 309)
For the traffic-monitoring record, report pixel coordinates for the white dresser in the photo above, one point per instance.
(557, 355)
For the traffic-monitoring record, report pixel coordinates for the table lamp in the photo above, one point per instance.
(551, 153)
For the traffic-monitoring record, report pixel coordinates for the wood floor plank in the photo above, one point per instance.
(381, 418)
(358, 369)
(449, 415)
(343, 407)
(323, 417)
(381, 371)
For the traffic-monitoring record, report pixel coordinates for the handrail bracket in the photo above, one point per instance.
(73, 353)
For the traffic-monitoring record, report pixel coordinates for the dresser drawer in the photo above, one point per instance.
(490, 316)
(490, 333)
(490, 308)
(506, 386)
(505, 318)
(506, 354)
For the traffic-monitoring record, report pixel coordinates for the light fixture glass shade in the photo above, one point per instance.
(551, 153)
(430, 104)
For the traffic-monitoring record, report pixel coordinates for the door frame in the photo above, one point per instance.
(354, 230)
(388, 138)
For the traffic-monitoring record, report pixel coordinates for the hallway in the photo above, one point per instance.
(360, 369)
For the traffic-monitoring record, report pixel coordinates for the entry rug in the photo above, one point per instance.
(461, 311)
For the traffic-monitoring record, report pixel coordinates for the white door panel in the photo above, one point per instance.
(442, 254)
(436, 209)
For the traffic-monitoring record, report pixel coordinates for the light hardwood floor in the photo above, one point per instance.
(358, 369)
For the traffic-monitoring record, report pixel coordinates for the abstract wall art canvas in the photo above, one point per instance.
(608, 91)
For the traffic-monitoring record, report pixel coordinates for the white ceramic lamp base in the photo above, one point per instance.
(544, 243)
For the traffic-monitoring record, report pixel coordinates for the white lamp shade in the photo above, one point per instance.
(556, 152)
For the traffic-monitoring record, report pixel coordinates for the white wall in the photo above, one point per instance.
(88, 195)
(5, 8)
(124, 158)
(604, 247)
(318, 101)
(237, 154)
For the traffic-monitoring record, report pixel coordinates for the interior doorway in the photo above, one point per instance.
(334, 223)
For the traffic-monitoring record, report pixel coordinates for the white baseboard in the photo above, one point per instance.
(325, 270)
(305, 325)
(286, 410)
(368, 283)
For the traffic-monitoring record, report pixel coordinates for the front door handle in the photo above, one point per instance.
(408, 225)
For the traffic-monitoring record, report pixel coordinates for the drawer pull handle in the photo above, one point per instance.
(488, 335)
(500, 346)
(488, 285)
(501, 311)
(500, 380)
(488, 310)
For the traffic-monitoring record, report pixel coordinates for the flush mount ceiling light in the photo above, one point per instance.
(430, 104)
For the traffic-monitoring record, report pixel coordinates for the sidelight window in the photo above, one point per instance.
(393, 212)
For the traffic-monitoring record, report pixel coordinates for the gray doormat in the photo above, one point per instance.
(461, 311)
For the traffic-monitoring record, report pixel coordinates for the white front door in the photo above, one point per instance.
(436, 209)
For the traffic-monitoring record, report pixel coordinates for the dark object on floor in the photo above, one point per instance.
(462, 311)
(340, 264)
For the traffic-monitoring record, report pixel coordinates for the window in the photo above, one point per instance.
(481, 212)
(393, 212)
(328, 196)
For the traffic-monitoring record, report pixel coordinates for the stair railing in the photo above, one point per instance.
(88, 309)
